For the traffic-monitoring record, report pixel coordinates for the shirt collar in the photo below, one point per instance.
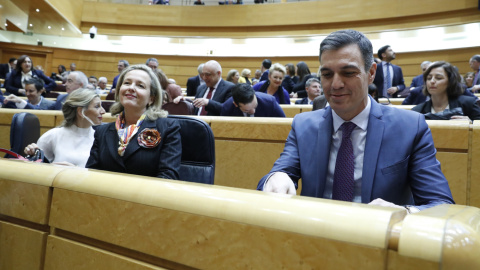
(361, 120)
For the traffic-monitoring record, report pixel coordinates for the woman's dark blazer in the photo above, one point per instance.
(162, 161)
(14, 82)
(469, 106)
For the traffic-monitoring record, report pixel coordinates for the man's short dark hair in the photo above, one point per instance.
(125, 62)
(342, 38)
(11, 60)
(93, 77)
(242, 93)
(37, 82)
(476, 57)
(382, 50)
(267, 63)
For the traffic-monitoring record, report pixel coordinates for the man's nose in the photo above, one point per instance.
(337, 81)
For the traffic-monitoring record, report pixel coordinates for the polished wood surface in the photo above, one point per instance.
(103, 220)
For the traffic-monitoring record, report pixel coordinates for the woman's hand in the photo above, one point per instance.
(30, 149)
(13, 98)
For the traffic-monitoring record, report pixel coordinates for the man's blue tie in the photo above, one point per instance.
(388, 79)
(343, 183)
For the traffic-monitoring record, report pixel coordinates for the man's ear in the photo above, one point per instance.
(372, 72)
(235, 104)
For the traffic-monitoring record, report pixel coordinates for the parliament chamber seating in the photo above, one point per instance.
(246, 148)
(24, 130)
(73, 218)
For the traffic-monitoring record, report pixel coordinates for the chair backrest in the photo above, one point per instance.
(52, 94)
(182, 108)
(24, 130)
(110, 96)
(198, 150)
(106, 104)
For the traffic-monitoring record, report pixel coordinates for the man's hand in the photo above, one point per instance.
(280, 182)
(177, 99)
(475, 88)
(392, 90)
(200, 102)
(13, 98)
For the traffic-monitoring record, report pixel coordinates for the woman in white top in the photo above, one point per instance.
(70, 143)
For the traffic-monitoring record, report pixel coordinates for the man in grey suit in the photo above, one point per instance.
(211, 96)
(75, 80)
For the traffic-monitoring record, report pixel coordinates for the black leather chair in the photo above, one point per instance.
(198, 150)
(24, 130)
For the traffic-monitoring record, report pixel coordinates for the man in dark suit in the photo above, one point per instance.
(122, 64)
(313, 88)
(194, 82)
(8, 67)
(391, 83)
(75, 80)
(475, 65)
(211, 96)
(266, 64)
(246, 102)
(418, 80)
(346, 151)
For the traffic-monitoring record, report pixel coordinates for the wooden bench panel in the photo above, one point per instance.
(21, 247)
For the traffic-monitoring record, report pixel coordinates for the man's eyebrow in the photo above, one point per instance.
(349, 67)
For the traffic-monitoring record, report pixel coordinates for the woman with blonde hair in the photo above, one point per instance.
(245, 77)
(273, 86)
(142, 140)
(70, 143)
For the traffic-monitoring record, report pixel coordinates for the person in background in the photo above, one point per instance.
(93, 81)
(313, 88)
(304, 74)
(70, 143)
(266, 64)
(194, 82)
(468, 77)
(233, 76)
(418, 80)
(350, 151)
(8, 67)
(273, 86)
(248, 103)
(102, 86)
(152, 63)
(475, 66)
(142, 141)
(290, 79)
(442, 85)
(122, 64)
(15, 84)
(75, 80)
(34, 88)
(389, 77)
(61, 74)
(245, 76)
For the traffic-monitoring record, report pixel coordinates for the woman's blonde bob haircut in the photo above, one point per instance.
(154, 110)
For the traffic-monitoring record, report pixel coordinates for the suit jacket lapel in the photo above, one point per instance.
(218, 91)
(133, 145)
(324, 139)
(112, 144)
(375, 130)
